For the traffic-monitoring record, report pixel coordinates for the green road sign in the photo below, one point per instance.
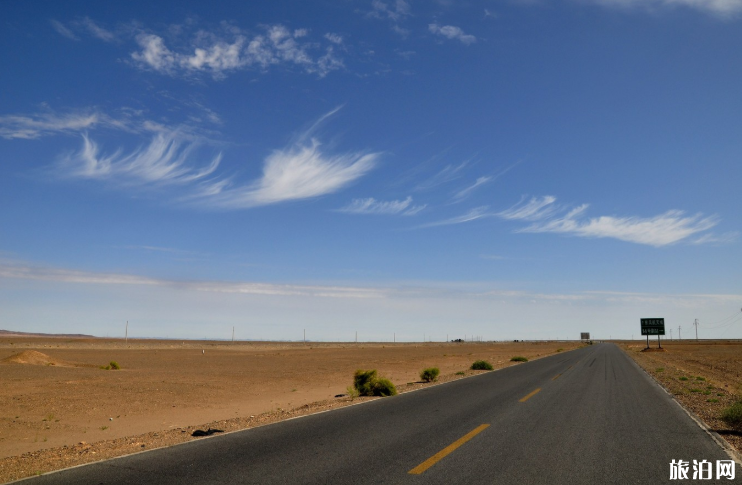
(653, 326)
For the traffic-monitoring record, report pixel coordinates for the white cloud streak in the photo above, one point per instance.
(452, 32)
(165, 160)
(23, 271)
(465, 192)
(35, 126)
(534, 209)
(18, 271)
(472, 215)
(63, 30)
(722, 8)
(97, 31)
(373, 206)
(661, 230)
(299, 171)
(218, 57)
(447, 174)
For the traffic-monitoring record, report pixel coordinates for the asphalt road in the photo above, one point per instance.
(596, 418)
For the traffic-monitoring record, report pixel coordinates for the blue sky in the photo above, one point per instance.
(502, 169)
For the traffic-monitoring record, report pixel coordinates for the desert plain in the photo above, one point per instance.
(60, 407)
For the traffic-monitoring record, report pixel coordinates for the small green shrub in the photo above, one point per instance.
(352, 392)
(384, 387)
(481, 365)
(733, 414)
(368, 383)
(430, 374)
(461, 373)
(362, 381)
(113, 365)
(660, 369)
(519, 358)
(560, 350)
(706, 393)
(712, 400)
(699, 378)
(695, 390)
(683, 378)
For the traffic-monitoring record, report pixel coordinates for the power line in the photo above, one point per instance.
(724, 320)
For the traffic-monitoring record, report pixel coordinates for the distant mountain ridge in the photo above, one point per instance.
(13, 333)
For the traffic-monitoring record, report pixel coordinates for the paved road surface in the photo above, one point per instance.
(596, 418)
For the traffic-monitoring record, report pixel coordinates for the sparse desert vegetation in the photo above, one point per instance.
(113, 365)
(704, 376)
(519, 358)
(481, 365)
(733, 415)
(170, 385)
(430, 374)
(368, 383)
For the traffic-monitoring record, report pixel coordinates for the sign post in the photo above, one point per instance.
(584, 335)
(653, 326)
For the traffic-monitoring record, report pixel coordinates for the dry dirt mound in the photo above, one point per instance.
(33, 357)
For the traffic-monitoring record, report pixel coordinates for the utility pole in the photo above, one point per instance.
(232, 334)
(679, 338)
(305, 335)
(126, 334)
(670, 334)
(695, 323)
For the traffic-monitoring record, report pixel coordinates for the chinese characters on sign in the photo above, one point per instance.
(702, 470)
(653, 326)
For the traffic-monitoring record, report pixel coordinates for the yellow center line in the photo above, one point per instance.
(447, 450)
(526, 398)
(555, 377)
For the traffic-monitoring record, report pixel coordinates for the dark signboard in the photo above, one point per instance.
(653, 326)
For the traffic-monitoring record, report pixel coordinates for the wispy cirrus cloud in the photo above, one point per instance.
(210, 53)
(467, 191)
(668, 228)
(167, 159)
(63, 30)
(533, 209)
(174, 156)
(96, 30)
(373, 206)
(452, 32)
(48, 122)
(447, 174)
(471, 215)
(723, 8)
(299, 171)
(43, 124)
(84, 25)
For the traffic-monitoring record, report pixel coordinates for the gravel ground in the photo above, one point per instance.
(38, 462)
(700, 386)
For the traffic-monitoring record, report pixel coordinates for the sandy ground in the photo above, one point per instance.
(703, 376)
(59, 408)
